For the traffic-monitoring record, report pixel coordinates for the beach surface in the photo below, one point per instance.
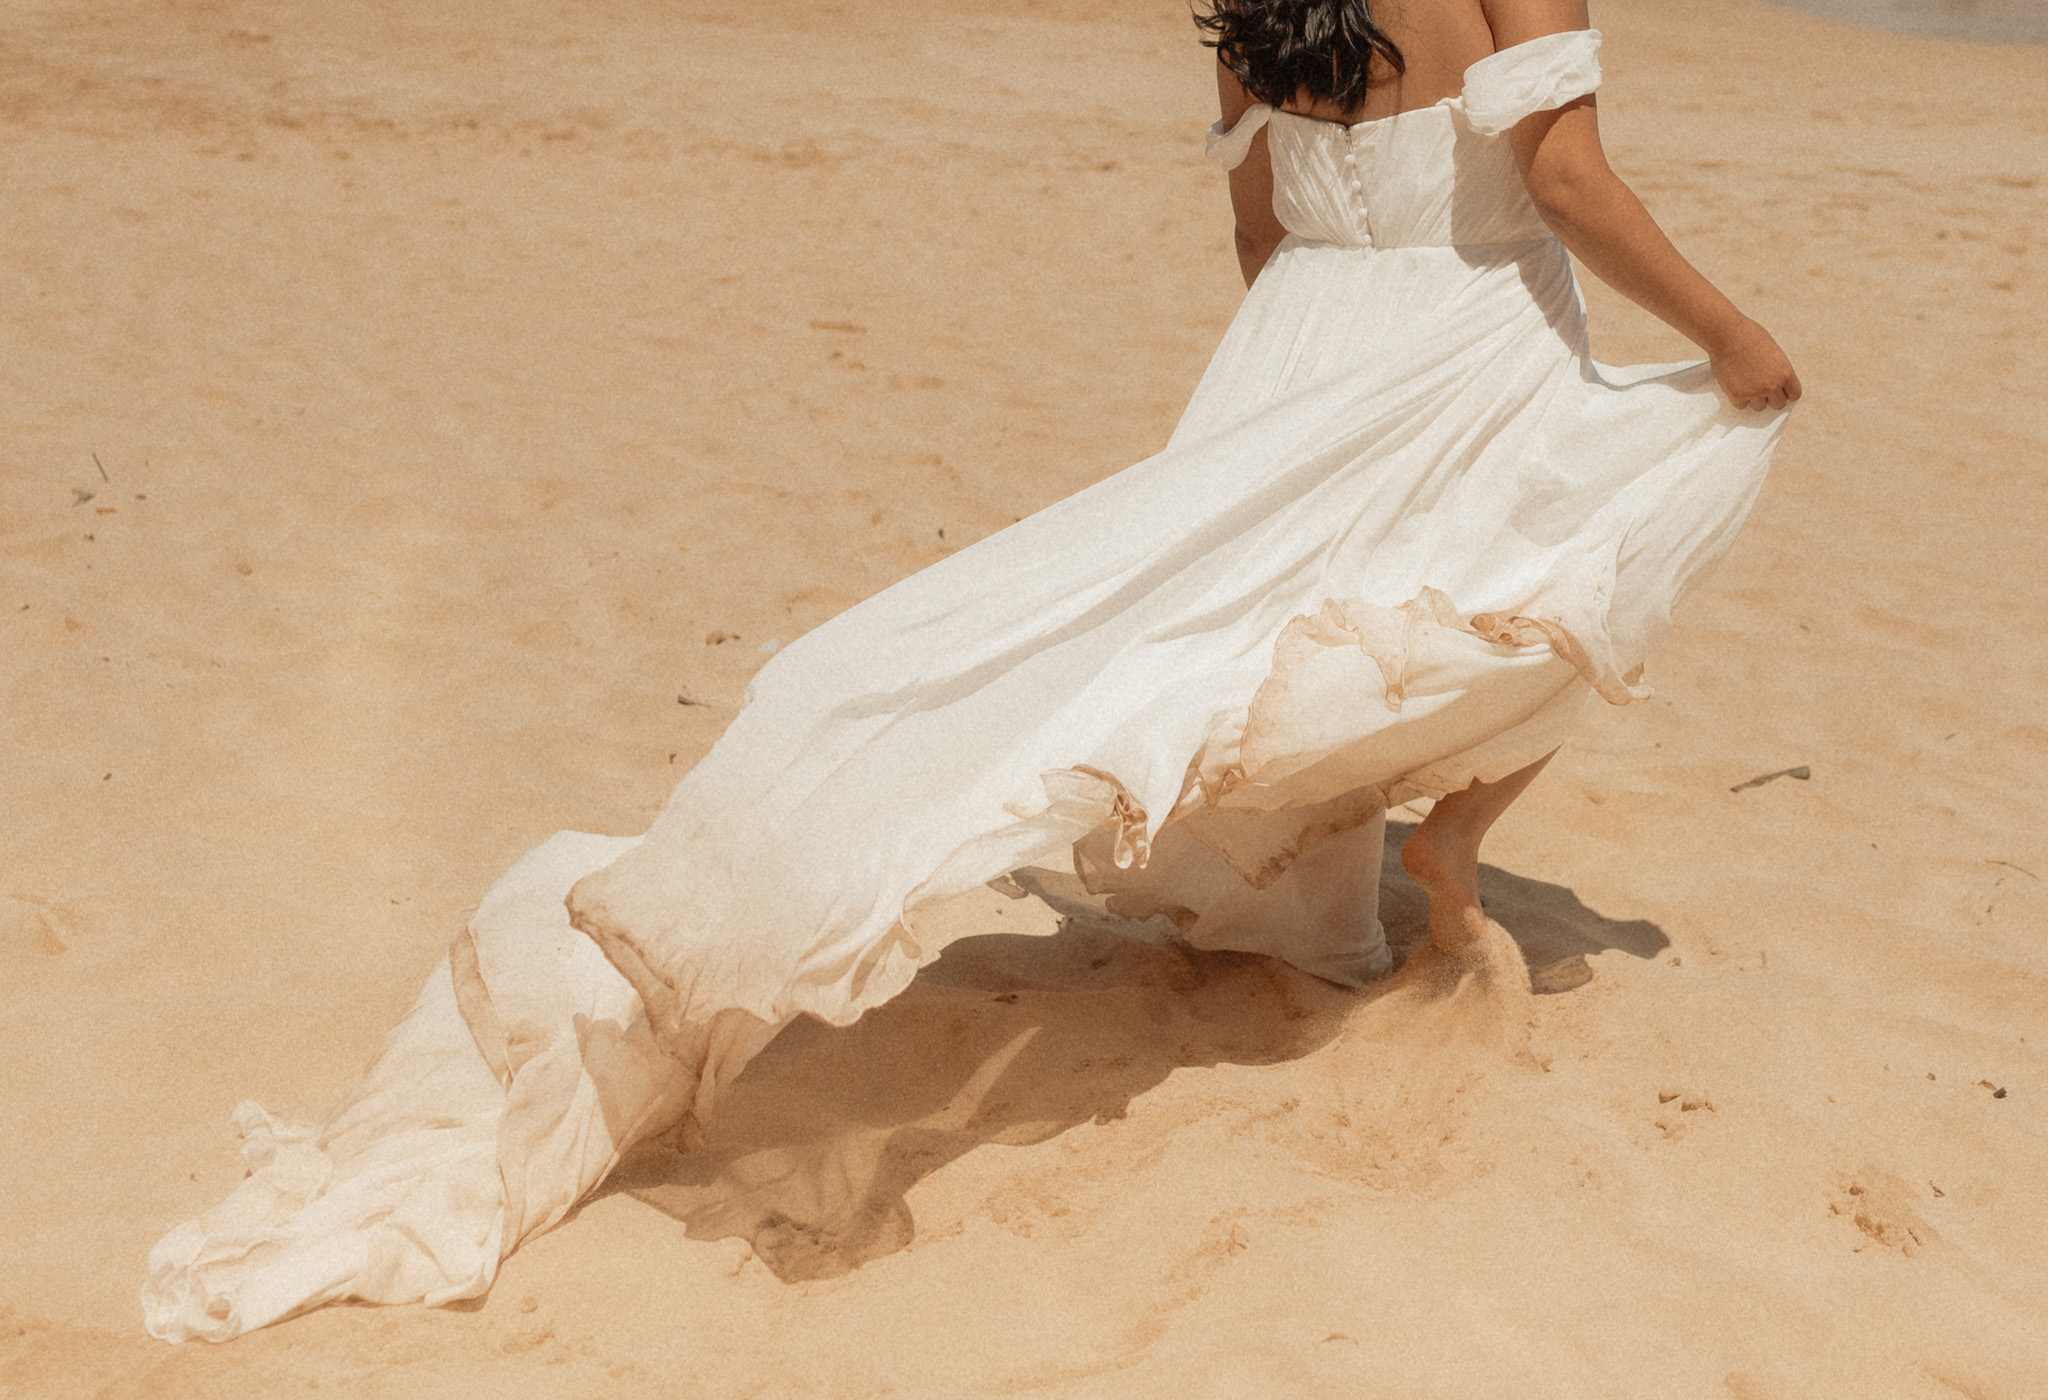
(418, 419)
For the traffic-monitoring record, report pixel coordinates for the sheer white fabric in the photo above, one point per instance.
(1538, 76)
(1404, 533)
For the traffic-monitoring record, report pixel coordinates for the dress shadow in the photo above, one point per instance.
(1012, 1039)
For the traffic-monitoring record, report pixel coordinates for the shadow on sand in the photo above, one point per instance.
(1555, 931)
(1014, 1039)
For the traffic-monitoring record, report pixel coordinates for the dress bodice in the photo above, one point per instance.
(1441, 176)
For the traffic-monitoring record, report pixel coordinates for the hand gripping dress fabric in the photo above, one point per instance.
(1406, 531)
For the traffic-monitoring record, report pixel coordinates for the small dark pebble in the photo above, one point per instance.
(1998, 1093)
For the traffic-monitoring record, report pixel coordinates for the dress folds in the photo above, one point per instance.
(1405, 533)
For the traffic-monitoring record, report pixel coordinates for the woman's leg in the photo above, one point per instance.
(1442, 855)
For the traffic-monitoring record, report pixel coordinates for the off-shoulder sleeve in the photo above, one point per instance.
(1230, 147)
(1536, 76)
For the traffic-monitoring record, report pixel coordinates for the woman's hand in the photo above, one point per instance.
(1751, 370)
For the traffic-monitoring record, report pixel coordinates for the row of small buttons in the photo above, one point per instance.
(1357, 184)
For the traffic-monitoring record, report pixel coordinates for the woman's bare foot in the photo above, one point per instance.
(1448, 871)
(1442, 856)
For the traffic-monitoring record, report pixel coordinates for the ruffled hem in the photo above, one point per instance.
(1307, 760)
(1362, 707)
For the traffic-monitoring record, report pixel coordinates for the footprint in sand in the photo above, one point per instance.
(1680, 1108)
(31, 927)
(1884, 1208)
(1563, 975)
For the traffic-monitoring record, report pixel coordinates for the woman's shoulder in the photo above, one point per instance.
(1534, 75)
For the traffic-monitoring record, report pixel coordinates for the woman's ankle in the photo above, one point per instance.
(1435, 858)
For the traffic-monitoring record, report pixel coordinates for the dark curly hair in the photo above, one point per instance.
(1279, 48)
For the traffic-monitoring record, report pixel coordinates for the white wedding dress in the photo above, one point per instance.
(1403, 534)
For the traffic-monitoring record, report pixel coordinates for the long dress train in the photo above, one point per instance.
(1405, 531)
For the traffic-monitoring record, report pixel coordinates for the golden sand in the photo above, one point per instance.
(398, 400)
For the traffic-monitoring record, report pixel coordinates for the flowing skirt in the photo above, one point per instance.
(1404, 533)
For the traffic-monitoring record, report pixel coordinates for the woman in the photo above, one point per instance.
(1404, 532)
(1271, 57)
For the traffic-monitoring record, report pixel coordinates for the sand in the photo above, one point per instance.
(1992, 21)
(397, 398)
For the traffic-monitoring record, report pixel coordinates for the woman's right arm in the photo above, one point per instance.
(1603, 223)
